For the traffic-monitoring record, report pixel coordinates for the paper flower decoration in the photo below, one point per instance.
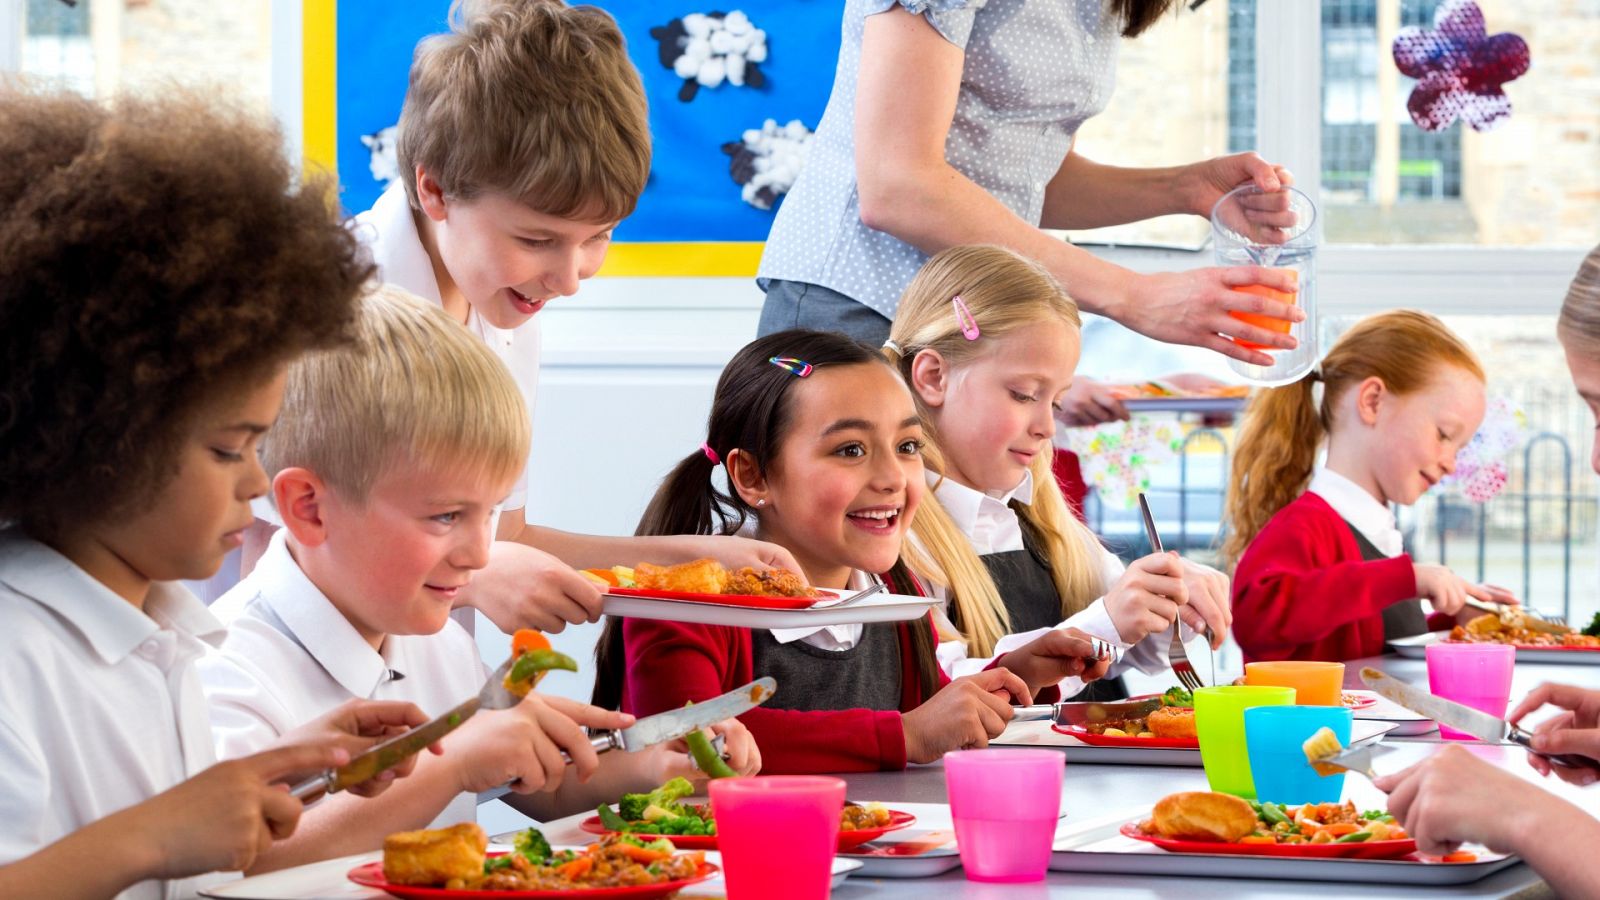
(1480, 466)
(766, 161)
(1459, 70)
(706, 49)
(1116, 457)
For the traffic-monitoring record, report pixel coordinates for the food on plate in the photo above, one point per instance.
(703, 576)
(1175, 719)
(435, 856)
(533, 658)
(1320, 746)
(1513, 629)
(1206, 816)
(1172, 722)
(860, 817)
(617, 861)
(659, 812)
(1151, 390)
(1354, 701)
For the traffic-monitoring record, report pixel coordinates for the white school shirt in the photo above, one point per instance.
(992, 525)
(291, 656)
(100, 704)
(1362, 510)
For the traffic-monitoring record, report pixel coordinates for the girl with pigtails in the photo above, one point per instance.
(820, 447)
(1321, 571)
(988, 341)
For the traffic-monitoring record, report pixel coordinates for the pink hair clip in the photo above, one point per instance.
(798, 367)
(711, 454)
(969, 325)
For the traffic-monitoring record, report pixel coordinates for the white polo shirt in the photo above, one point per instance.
(993, 527)
(100, 704)
(291, 656)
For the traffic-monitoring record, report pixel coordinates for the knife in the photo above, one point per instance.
(1086, 713)
(672, 724)
(1464, 718)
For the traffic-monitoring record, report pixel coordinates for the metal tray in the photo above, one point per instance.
(1040, 734)
(1185, 404)
(1098, 847)
(1416, 647)
(877, 608)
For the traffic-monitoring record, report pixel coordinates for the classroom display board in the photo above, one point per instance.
(734, 93)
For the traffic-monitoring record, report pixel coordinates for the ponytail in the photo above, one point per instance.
(1272, 462)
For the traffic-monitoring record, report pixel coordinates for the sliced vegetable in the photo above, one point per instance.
(609, 818)
(576, 869)
(533, 662)
(1272, 814)
(1258, 839)
(528, 639)
(1355, 838)
(1340, 829)
(1462, 856)
(707, 758)
(632, 806)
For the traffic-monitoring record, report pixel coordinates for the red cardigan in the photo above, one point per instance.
(1302, 591)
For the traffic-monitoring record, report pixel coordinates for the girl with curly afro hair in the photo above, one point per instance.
(159, 267)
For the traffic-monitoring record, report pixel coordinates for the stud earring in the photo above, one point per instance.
(761, 502)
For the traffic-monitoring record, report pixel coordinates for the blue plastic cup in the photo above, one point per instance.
(1275, 737)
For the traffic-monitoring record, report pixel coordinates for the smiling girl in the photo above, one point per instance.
(822, 447)
(1321, 571)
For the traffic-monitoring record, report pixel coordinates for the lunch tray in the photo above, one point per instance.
(1040, 734)
(876, 608)
(1100, 847)
(1416, 647)
(1185, 404)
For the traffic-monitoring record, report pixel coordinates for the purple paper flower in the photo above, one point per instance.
(1459, 70)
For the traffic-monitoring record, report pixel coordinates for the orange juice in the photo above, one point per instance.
(1271, 323)
(1314, 683)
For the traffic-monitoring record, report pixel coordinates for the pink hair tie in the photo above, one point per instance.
(969, 325)
(710, 453)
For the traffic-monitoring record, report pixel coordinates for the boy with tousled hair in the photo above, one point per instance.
(524, 139)
(394, 457)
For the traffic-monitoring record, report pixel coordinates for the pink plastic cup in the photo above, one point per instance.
(1478, 675)
(758, 816)
(1005, 804)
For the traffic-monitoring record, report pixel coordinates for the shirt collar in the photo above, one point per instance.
(844, 634)
(109, 624)
(966, 506)
(316, 624)
(1360, 509)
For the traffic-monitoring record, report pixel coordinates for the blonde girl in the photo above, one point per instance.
(1321, 572)
(988, 341)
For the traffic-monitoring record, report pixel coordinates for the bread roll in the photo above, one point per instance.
(433, 857)
(1172, 722)
(1204, 816)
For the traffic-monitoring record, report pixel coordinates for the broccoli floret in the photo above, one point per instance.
(634, 807)
(531, 844)
(1177, 696)
(1593, 628)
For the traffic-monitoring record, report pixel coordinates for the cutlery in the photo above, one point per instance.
(851, 599)
(1176, 655)
(1328, 757)
(392, 752)
(1085, 713)
(1480, 725)
(1526, 616)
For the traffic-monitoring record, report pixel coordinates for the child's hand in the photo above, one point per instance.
(1210, 607)
(1575, 731)
(1453, 797)
(965, 713)
(524, 587)
(1054, 655)
(222, 818)
(739, 750)
(1148, 596)
(522, 745)
(1448, 592)
(1090, 402)
(357, 725)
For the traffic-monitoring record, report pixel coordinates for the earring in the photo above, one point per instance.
(761, 502)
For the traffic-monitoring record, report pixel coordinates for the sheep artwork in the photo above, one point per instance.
(384, 162)
(706, 49)
(767, 160)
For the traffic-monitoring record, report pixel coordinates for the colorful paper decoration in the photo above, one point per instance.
(1116, 457)
(1480, 466)
(1460, 71)
(767, 160)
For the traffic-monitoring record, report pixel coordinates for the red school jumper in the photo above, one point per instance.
(1302, 590)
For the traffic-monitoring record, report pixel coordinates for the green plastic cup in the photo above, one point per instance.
(1219, 722)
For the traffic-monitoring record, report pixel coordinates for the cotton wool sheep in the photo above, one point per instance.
(707, 49)
(384, 161)
(767, 160)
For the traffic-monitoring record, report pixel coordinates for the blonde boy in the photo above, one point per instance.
(390, 463)
(524, 139)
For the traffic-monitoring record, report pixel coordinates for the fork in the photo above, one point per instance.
(858, 596)
(1176, 655)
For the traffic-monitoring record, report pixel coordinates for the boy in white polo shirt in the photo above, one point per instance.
(390, 461)
(158, 267)
(523, 140)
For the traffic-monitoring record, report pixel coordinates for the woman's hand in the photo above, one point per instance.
(1148, 597)
(524, 587)
(1202, 184)
(1452, 797)
(1090, 402)
(1192, 308)
(1575, 730)
(736, 552)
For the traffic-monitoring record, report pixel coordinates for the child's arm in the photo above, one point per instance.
(219, 820)
(582, 551)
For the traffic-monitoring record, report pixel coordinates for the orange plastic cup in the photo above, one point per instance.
(1314, 683)
(1271, 323)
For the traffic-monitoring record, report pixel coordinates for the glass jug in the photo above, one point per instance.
(1252, 228)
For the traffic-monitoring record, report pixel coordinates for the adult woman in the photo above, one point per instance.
(952, 122)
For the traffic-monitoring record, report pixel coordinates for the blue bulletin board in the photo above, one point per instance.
(691, 197)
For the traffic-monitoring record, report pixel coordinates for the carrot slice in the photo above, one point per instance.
(1257, 839)
(1460, 856)
(527, 639)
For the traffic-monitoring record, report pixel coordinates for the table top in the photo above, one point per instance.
(1096, 791)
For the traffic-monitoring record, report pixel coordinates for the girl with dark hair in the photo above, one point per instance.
(822, 444)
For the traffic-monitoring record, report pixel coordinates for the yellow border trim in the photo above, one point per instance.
(319, 70)
(733, 259)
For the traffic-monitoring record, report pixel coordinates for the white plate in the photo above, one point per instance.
(1416, 647)
(877, 608)
(926, 864)
(1040, 734)
(1406, 723)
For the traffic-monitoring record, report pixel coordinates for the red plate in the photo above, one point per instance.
(1149, 743)
(847, 839)
(371, 875)
(1534, 646)
(1363, 850)
(751, 601)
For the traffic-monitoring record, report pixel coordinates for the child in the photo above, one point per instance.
(158, 267)
(391, 462)
(987, 341)
(524, 138)
(822, 448)
(1321, 571)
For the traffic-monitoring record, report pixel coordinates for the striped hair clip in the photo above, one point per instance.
(969, 325)
(799, 368)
